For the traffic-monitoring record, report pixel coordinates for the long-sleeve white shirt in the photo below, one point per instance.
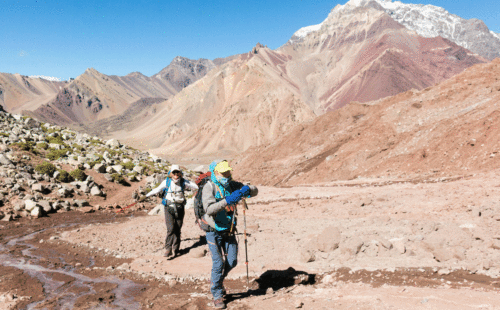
(174, 193)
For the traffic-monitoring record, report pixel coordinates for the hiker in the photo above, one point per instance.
(173, 202)
(220, 196)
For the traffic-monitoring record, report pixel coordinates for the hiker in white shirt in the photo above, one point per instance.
(173, 202)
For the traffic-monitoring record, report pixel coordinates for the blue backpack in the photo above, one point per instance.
(165, 191)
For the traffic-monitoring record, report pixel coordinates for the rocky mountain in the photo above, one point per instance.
(428, 21)
(446, 130)
(182, 71)
(94, 96)
(19, 92)
(244, 102)
(362, 54)
(358, 55)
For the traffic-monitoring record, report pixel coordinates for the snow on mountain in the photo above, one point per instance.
(48, 78)
(428, 21)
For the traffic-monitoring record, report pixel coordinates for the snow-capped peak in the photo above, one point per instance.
(426, 20)
(48, 78)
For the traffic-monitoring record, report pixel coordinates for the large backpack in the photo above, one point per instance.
(165, 191)
(198, 203)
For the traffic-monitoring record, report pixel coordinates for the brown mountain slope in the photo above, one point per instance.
(363, 54)
(93, 96)
(245, 102)
(451, 128)
(19, 92)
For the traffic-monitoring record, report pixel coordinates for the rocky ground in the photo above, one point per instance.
(424, 242)
(400, 244)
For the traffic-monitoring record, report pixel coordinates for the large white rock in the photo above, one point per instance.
(36, 212)
(113, 143)
(29, 205)
(95, 191)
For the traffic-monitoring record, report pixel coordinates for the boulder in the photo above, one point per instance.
(37, 187)
(351, 246)
(36, 212)
(328, 240)
(95, 191)
(4, 160)
(101, 168)
(29, 205)
(8, 218)
(117, 168)
(45, 205)
(86, 209)
(113, 143)
(138, 169)
(81, 203)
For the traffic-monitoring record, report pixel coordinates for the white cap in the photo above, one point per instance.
(175, 168)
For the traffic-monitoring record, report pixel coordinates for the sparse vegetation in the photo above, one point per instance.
(48, 130)
(54, 154)
(78, 174)
(64, 176)
(130, 165)
(117, 178)
(45, 168)
(3, 134)
(42, 145)
(28, 146)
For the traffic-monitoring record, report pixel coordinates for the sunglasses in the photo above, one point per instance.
(176, 172)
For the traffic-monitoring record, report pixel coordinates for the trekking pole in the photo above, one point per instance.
(245, 234)
(130, 205)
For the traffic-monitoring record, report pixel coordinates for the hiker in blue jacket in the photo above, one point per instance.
(220, 196)
(173, 202)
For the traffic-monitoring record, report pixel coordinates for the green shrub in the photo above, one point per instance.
(45, 168)
(95, 142)
(27, 146)
(130, 165)
(42, 145)
(55, 140)
(118, 178)
(64, 176)
(3, 134)
(78, 147)
(133, 173)
(78, 174)
(54, 154)
(48, 130)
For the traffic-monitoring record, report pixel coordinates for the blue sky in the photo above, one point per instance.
(63, 38)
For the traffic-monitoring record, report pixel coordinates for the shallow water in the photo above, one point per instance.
(61, 291)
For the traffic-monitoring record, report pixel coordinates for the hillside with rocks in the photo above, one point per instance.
(46, 168)
(445, 130)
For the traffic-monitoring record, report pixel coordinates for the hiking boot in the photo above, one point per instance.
(219, 304)
(168, 253)
(224, 292)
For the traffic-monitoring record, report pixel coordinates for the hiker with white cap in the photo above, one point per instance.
(219, 197)
(173, 202)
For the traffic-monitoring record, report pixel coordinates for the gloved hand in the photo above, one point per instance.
(245, 190)
(235, 197)
(230, 208)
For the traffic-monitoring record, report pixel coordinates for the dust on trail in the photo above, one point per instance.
(108, 260)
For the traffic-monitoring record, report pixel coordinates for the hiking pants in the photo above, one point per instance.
(174, 225)
(221, 245)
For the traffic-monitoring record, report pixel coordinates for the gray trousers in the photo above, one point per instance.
(174, 221)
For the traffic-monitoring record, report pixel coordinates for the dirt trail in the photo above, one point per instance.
(402, 244)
